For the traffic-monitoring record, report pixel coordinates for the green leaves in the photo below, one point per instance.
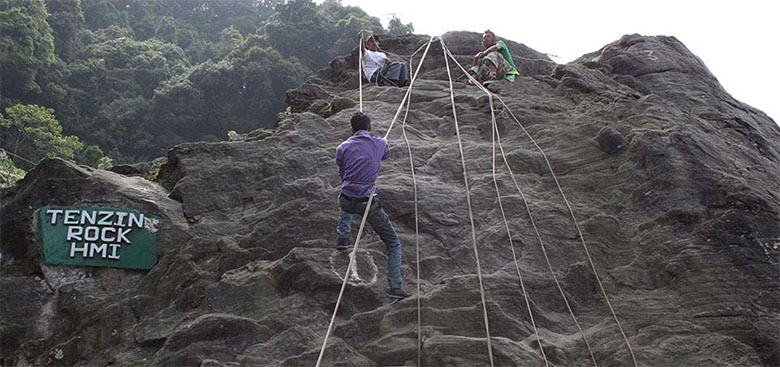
(26, 46)
(140, 76)
(242, 92)
(9, 173)
(67, 22)
(396, 28)
(113, 87)
(32, 132)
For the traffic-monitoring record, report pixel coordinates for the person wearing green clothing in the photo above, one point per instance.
(495, 62)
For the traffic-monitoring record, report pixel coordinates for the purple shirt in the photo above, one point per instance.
(359, 159)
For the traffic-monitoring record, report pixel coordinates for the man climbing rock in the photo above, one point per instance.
(495, 62)
(359, 159)
(378, 68)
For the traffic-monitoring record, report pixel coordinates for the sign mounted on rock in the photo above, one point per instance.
(86, 236)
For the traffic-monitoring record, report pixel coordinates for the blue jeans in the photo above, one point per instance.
(380, 222)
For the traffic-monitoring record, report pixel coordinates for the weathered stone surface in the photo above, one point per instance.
(143, 169)
(610, 140)
(676, 186)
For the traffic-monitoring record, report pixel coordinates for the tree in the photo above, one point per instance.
(133, 77)
(67, 22)
(124, 124)
(9, 173)
(347, 26)
(92, 155)
(32, 132)
(26, 47)
(396, 28)
(104, 13)
(298, 29)
(111, 88)
(193, 25)
(241, 92)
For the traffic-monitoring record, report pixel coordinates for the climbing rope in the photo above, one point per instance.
(503, 215)
(468, 202)
(409, 90)
(19, 157)
(411, 57)
(579, 232)
(536, 230)
(346, 275)
(496, 133)
(416, 233)
(360, 70)
(506, 225)
(544, 250)
(576, 224)
(365, 216)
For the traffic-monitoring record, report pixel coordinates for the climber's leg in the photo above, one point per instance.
(344, 227)
(380, 222)
(496, 65)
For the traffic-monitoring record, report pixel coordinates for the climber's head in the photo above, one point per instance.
(372, 43)
(360, 121)
(488, 38)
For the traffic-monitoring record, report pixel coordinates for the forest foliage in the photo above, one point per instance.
(128, 79)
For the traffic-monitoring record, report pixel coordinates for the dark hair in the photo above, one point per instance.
(490, 33)
(360, 121)
(374, 38)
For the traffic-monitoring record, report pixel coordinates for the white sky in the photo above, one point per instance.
(738, 40)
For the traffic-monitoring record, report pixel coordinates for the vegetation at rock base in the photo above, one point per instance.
(129, 79)
(9, 173)
(30, 133)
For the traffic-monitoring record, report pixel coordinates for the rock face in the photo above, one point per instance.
(675, 184)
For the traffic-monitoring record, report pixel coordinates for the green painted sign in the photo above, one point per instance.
(120, 238)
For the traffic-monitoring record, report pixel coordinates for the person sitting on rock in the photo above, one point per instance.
(359, 159)
(495, 62)
(378, 68)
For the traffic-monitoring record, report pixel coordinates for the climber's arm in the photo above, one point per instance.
(488, 50)
(340, 161)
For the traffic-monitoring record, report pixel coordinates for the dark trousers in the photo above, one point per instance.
(395, 73)
(380, 222)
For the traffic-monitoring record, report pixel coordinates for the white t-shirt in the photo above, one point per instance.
(372, 61)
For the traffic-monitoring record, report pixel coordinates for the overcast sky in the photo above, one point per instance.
(737, 40)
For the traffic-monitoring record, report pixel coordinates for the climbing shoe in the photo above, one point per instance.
(398, 293)
(343, 244)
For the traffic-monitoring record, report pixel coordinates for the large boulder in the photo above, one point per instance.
(673, 182)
